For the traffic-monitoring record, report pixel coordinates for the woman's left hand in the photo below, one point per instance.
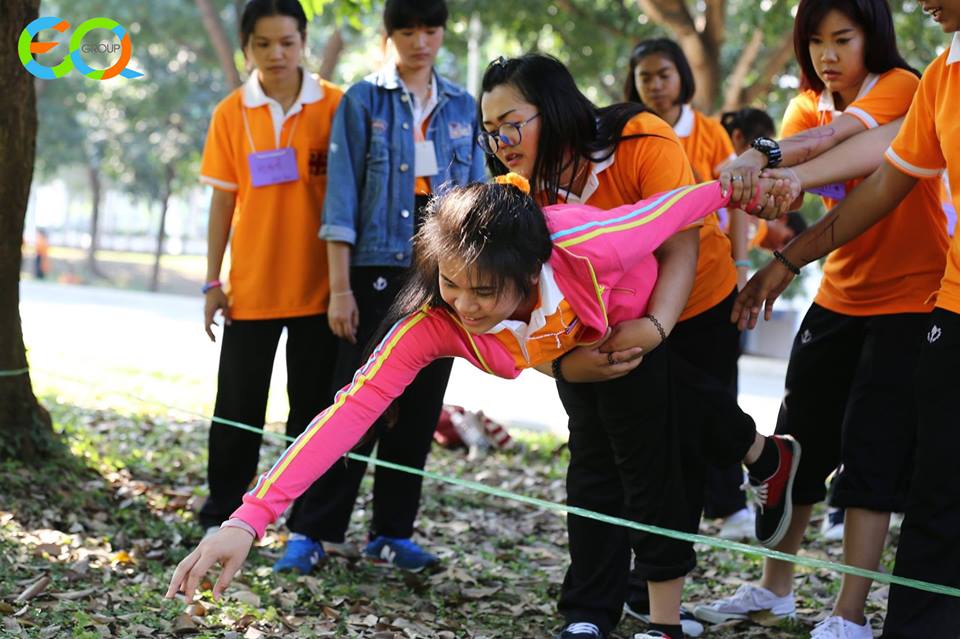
(741, 177)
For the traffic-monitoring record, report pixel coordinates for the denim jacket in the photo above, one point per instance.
(370, 181)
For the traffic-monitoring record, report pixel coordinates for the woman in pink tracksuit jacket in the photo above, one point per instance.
(500, 283)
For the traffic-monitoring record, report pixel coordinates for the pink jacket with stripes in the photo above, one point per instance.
(603, 264)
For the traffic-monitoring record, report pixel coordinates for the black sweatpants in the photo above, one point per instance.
(407, 441)
(628, 458)
(243, 381)
(930, 537)
(711, 342)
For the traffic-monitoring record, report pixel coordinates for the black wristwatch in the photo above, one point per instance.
(771, 149)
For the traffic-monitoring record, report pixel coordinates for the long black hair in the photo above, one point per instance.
(873, 16)
(668, 49)
(752, 123)
(256, 9)
(495, 229)
(570, 124)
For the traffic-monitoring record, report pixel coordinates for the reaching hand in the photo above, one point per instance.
(591, 364)
(228, 547)
(762, 290)
(741, 177)
(216, 300)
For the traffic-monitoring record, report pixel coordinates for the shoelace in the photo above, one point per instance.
(756, 495)
(583, 628)
(744, 592)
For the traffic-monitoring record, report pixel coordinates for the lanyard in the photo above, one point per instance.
(246, 125)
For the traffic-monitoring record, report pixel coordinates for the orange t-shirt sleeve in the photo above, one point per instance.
(916, 150)
(218, 168)
(801, 114)
(886, 101)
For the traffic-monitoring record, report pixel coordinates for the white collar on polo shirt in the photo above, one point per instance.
(593, 182)
(954, 55)
(253, 96)
(550, 298)
(684, 126)
(826, 97)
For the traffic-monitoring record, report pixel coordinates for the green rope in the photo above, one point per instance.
(746, 549)
(15, 372)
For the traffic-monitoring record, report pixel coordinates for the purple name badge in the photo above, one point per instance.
(832, 191)
(273, 167)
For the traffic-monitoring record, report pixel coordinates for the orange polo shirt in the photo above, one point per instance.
(895, 265)
(708, 146)
(929, 142)
(278, 263)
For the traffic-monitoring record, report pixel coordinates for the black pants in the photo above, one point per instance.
(406, 441)
(628, 458)
(711, 342)
(850, 403)
(930, 537)
(243, 381)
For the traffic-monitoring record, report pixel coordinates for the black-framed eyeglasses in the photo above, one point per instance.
(508, 134)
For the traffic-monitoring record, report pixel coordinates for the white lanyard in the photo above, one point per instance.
(246, 125)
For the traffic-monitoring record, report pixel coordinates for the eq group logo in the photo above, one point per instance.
(26, 47)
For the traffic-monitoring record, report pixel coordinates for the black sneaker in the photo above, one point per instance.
(773, 495)
(581, 630)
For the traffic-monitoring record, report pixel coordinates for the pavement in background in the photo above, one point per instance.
(154, 345)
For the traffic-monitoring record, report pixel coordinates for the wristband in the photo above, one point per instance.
(793, 268)
(742, 263)
(212, 284)
(659, 326)
(555, 369)
(342, 293)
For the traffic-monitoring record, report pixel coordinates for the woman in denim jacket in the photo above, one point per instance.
(399, 135)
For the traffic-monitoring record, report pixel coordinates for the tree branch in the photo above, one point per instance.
(714, 28)
(331, 54)
(738, 75)
(220, 41)
(775, 63)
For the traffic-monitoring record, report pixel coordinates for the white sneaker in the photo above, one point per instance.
(832, 527)
(739, 525)
(650, 634)
(840, 628)
(746, 600)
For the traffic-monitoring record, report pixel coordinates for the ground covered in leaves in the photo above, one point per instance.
(88, 542)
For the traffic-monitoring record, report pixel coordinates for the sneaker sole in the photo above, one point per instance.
(711, 616)
(781, 530)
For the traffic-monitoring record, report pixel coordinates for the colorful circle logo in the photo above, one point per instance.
(26, 47)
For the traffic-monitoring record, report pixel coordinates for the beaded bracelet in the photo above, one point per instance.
(658, 325)
(793, 268)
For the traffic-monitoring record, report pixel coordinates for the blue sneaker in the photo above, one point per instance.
(402, 553)
(300, 555)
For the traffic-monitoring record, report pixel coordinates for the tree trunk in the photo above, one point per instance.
(96, 194)
(220, 41)
(331, 55)
(25, 428)
(162, 232)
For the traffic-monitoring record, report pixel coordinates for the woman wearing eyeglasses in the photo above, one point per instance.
(628, 455)
(398, 135)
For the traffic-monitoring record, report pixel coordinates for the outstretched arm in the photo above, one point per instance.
(870, 202)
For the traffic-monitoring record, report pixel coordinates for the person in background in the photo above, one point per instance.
(265, 157)
(400, 135)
